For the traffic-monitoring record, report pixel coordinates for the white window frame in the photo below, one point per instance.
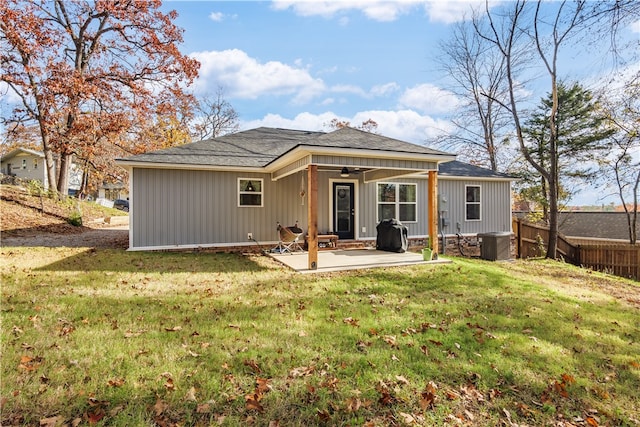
(241, 192)
(35, 163)
(397, 202)
(24, 163)
(467, 203)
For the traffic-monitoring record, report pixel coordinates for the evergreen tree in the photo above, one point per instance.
(581, 131)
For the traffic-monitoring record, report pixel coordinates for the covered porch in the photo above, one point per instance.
(351, 259)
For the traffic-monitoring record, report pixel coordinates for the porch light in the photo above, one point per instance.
(344, 172)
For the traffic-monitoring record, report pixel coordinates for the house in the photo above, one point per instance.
(25, 164)
(113, 191)
(217, 192)
(29, 165)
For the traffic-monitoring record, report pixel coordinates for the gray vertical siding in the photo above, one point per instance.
(172, 208)
(495, 205)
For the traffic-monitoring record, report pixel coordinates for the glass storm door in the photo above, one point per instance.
(343, 210)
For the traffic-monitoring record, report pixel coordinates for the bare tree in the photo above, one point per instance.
(215, 116)
(622, 161)
(552, 27)
(478, 71)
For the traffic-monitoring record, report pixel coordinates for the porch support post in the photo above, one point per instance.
(312, 216)
(433, 210)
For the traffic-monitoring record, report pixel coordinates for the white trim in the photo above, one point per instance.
(356, 204)
(131, 207)
(474, 178)
(149, 165)
(478, 203)
(261, 192)
(200, 246)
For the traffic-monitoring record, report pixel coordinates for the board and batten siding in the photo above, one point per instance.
(495, 205)
(191, 208)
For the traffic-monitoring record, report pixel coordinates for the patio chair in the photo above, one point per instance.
(289, 239)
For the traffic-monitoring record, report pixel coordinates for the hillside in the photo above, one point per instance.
(25, 215)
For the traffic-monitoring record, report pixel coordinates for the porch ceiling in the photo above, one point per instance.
(372, 168)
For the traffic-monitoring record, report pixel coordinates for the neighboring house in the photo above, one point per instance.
(113, 191)
(213, 193)
(26, 164)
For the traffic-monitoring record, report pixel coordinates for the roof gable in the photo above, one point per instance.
(24, 151)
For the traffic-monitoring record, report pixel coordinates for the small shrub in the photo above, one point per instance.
(75, 218)
(35, 188)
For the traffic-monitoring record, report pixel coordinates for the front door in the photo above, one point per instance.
(343, 210)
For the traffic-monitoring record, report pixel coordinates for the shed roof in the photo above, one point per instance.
(600, 225)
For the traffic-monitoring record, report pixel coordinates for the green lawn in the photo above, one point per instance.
(118, 338)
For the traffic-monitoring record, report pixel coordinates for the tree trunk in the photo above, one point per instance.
(63, 178)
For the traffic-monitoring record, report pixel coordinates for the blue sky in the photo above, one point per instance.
(299, 64)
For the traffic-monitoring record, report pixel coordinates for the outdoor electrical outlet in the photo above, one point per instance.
(249, 236)
(364, 229)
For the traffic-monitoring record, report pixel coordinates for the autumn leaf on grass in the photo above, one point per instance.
(402, 380)
(351, 321)
(412, 419)
(118, 382)
(174, 329)
(28, 363)
(302, 371)
(263, 385)
(169, 383)
(253, 402)
(592, 422)
(391, 340)
(386, 398)
(428, 396)
(253, 365)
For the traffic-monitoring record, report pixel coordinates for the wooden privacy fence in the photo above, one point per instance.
(616, 258)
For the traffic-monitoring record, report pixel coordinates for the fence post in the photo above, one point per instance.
(519, 238)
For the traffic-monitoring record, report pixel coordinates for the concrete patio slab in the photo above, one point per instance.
(351, 259)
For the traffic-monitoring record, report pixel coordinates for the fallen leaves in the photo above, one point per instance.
(28, 363)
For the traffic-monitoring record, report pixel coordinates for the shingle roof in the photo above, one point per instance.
(456, 168)
(17, 151)
(258, 147)
(603, 225)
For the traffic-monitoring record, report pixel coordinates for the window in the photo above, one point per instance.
(397, 201)
(472, 202)
(24, 163)
(250, 192)
(35, 163)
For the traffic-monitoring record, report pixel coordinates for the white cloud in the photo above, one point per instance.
(405, 125)
(216, 16)
(247, 78)
(429, 99)
(384, 10)
(350, 89)
(377, 10)
(384, 89)
(449, 12)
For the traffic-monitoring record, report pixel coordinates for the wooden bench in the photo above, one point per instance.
(325, 241)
